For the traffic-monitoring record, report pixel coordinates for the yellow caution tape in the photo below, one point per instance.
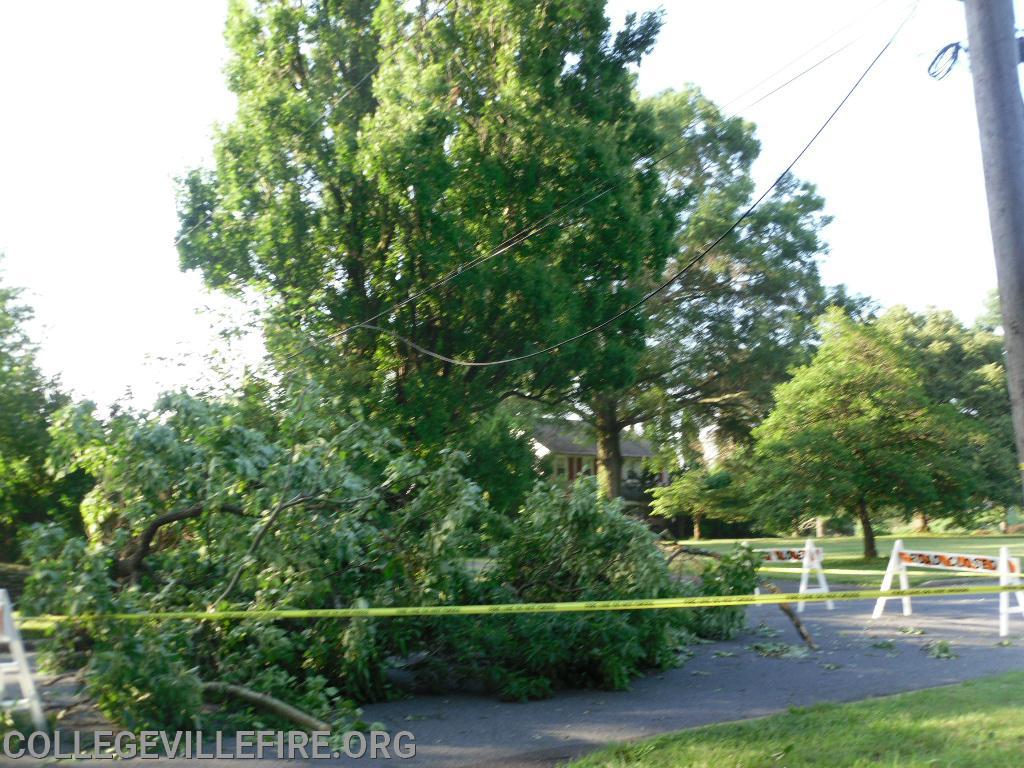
(855, 572)
(710, 601)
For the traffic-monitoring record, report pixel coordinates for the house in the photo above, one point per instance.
(567, 450)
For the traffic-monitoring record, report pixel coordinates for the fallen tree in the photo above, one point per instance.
(225, 504)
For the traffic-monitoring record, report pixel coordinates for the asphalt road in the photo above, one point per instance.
(722, 682)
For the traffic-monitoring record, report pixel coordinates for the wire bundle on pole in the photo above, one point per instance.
(945, 60)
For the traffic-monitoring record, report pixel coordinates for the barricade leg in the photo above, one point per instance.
(905, 584)
(822, 582)
(1008, 576)
(19, 664)
(895, 567)
(804, 576)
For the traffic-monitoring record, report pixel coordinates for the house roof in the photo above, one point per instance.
(573, 438)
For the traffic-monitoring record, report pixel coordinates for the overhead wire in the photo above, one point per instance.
(683, 270)
(587, 197)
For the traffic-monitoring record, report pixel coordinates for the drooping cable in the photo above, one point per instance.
(683, 270)
(580, 200)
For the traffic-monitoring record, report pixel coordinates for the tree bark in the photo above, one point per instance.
(609, 452)
(920, 522)
(819, 527)
(696, 527)
(870, 550)
(131, 566)
(278, 707)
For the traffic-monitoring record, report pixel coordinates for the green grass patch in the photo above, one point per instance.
(953, 727)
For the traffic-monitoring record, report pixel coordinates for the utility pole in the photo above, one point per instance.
(994, 56)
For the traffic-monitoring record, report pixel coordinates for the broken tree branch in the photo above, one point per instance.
(133, 564)
(278, 707)
(685, 549)
(281, 506)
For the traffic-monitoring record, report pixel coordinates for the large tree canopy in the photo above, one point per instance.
(965, 368)
(856, 431)
(376, 149)
(721, 337)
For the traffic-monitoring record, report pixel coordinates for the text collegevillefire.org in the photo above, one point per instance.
(196, 745)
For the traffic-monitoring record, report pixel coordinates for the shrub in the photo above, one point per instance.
(582, 547)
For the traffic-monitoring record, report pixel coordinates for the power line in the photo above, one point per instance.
(683, 270)
(578, 201)
(800, 74)
(814, 47)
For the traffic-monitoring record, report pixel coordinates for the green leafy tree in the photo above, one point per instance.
(699, 494)
(378, 148)
(28, 492)
(855, 431)
(965, 368)
(720, 338)
(500, 459)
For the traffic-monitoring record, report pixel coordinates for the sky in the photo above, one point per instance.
(105, 103)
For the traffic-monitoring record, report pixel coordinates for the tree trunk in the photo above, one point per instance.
(819, 527)
(920, 522)
(609, 453)
(870, 550)
(696, 527)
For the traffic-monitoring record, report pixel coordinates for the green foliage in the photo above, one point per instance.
(501, 461)
(576, 547)
(734, 574)
(940, 649)
(964, 368)
(780, 650)
(856, 431)
(581, 547)
(366, 136)
(307, 505)
(700, 494)
(718, 340)
(28, 492)
(140, 679)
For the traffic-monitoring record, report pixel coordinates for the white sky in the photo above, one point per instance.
(105, 102)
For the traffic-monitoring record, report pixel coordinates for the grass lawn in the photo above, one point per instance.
(845, 552)
(975, 723)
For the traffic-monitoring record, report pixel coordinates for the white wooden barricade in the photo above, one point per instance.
(810, 558)
(18, 668)
(1006, 568)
